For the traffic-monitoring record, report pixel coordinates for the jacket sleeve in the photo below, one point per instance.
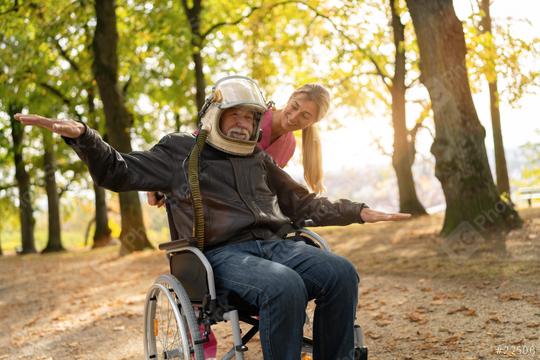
(296, 202)
(137, 171)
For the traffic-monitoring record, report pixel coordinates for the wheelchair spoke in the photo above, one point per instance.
(169, 310)
(160, 325)
(167, 352)
(177, 340)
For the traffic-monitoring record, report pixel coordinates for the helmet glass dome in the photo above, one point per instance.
(239, 91)
(233, 92)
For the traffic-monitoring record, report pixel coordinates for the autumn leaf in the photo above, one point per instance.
(416, 317)
(511, 297)
(459, 309)
(373, 335)
(453, 339)
(494, 319)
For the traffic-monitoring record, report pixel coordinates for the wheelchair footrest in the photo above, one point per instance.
(361, 353)
(241, 348)
(201, 341)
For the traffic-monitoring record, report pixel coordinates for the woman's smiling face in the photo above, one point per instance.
(299, 113)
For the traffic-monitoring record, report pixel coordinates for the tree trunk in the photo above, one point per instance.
(177, 122)
(503, 184)
(473, 205)
(194, 18)
(54, 242)
(199, 79)
(26, 213)
(402, 157)
(102, 231)
(118, 119)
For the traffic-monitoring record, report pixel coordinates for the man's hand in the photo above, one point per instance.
(370, 216)
(68, 128)
(155, 199)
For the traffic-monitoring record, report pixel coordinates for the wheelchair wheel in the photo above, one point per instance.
(171, 330)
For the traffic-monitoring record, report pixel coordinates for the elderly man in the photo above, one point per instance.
(248, 205)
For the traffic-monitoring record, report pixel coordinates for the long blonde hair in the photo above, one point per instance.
(311, 141)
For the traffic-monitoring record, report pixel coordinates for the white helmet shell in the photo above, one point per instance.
(229, 92)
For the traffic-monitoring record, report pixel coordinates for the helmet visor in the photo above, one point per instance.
(238, 90)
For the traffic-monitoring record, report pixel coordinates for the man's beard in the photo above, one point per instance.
(238, 133)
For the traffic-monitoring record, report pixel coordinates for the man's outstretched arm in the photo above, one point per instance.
(139, 170)
(299, 204)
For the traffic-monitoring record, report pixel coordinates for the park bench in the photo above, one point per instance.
(528, 194)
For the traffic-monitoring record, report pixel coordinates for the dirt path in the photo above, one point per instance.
(414, 304)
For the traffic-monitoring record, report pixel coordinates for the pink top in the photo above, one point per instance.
(282, 149)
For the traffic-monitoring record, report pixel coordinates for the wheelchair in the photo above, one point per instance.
(182, 306)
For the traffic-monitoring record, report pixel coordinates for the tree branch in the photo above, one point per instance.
(413, 82)
(65, 55)
(420, 120)
(345, 78)
(214, 27)
(65, 189)
(14, 8)
(377, 142)
(62, 97)
(126, 86)
(7, 186)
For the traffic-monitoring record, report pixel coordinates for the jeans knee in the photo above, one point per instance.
(346, 274)
(288, 287)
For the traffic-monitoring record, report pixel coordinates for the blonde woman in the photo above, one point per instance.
(306, 106)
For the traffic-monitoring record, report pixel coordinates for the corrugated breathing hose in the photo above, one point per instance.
(194, 186)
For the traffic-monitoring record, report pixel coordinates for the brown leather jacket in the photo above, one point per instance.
(244, 197)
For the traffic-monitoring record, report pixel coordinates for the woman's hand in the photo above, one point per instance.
(155, 199)
(370, 216)
(68, 128)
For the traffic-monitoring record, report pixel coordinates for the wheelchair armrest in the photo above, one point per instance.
(175, 244)
(314, 237)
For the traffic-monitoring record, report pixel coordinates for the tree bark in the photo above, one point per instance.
(402, 157)
(26, 213)
(177, 122)
(503, 184)
(473, 204)
(102, 231)
(193, 14)
(54, 242)
(118, 119)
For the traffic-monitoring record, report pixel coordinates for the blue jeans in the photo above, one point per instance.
(279, 277)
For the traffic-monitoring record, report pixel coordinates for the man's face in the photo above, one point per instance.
(237, 123)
